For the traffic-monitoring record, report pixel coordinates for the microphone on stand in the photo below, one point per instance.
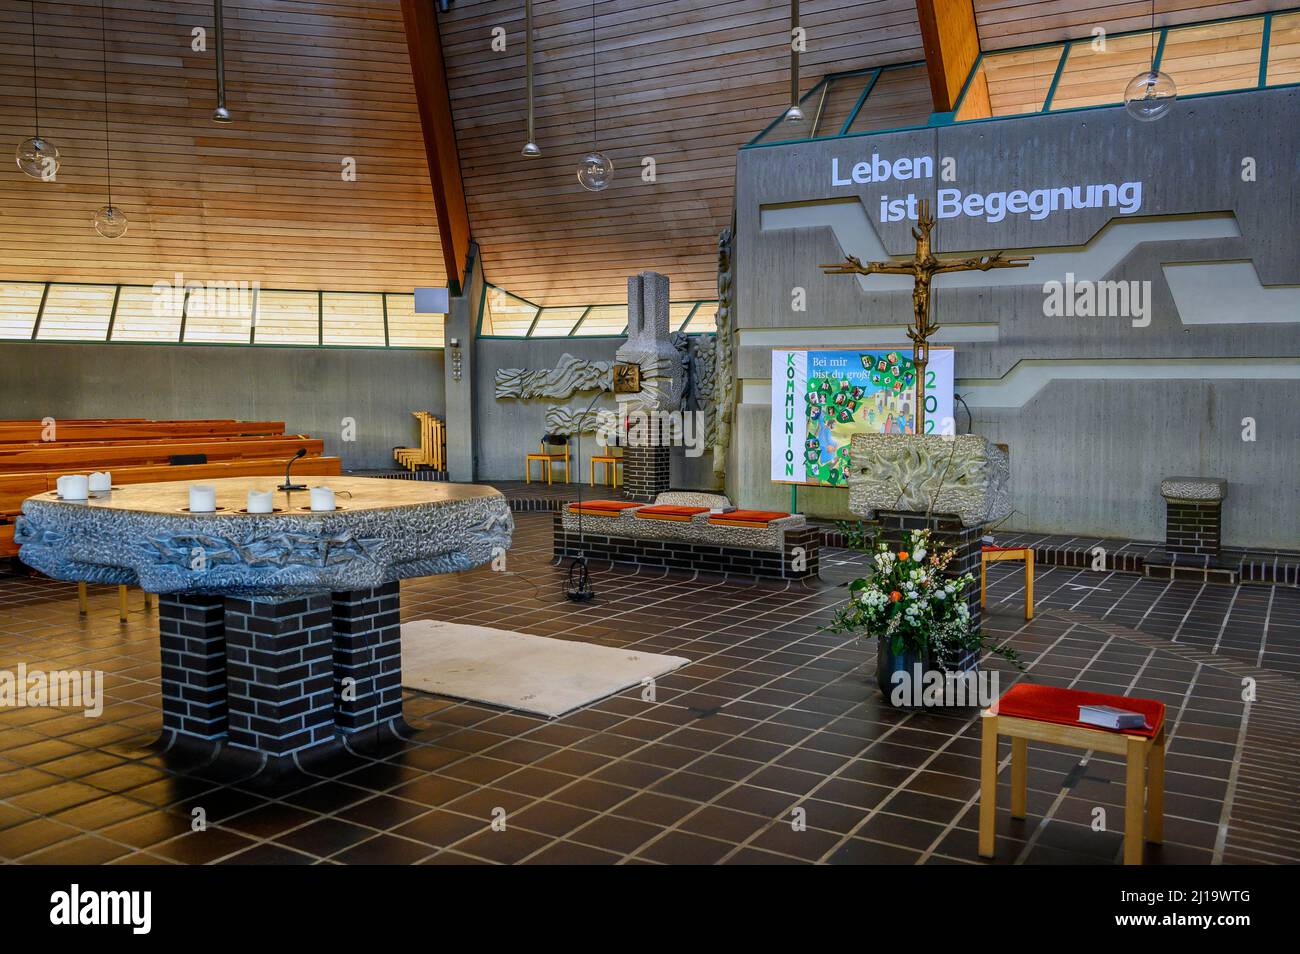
(289, 484)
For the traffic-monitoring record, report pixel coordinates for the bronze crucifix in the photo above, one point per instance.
(923, 267)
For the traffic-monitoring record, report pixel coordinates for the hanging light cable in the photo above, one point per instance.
(220, 114)
(37, 157)
(1151, 93)
(531, 149)
(794, 114)
(110, 221)
(596, 169)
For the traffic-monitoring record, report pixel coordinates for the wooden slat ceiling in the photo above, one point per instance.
(262, 199)
(684, 81)
(1004, 23)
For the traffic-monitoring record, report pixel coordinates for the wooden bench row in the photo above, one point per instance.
(74, 458)
(72, 430)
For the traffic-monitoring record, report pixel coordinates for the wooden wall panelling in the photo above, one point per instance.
(683, 81)
(309, 83)
(1004, 23)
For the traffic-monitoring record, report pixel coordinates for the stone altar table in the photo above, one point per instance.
(280, 632)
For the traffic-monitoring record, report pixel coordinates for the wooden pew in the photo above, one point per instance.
(120, 430)
(67, 459)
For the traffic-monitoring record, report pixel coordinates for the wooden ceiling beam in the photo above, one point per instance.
(952, 45)
(430, 76)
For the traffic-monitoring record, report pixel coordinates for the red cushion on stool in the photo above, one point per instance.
(1061, 706)
(989, 548)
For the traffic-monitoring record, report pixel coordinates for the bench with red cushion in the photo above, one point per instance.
(1061, 707)
(602, 508)
(746, 518)
(669, 512)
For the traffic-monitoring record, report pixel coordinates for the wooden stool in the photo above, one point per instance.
(996, 554)
(83, 605)
(1048, 714)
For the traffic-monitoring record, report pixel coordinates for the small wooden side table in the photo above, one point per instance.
(1036, 713)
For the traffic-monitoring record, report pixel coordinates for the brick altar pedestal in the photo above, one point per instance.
(1193, 532)
(284, 678)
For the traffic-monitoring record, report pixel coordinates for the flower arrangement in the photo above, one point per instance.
(907, 600)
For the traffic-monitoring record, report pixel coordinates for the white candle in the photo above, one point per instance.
(259, 502)
(74, 487)
(322, 498)
(101, 481)
(203, 499)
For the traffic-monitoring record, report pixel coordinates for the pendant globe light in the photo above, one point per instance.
(531, 150)
(37, 156)
(110, 221)
(596, 170)
(1151, 93)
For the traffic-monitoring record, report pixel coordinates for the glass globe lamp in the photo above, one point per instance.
(1150, 95)
(110, 222)
(38, 157)
(596, 172)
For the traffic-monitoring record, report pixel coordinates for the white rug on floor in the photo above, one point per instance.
(516, 671)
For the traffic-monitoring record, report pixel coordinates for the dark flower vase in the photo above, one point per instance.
(888, 662)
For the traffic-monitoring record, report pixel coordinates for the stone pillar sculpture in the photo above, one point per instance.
(650, 413)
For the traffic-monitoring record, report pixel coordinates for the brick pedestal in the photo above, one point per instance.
(947, 533)
(281, 677)
(367, 659)
(645, 472)
(280, 674)
(1193, 527)
(192, 634)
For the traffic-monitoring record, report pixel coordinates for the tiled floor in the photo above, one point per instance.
(772, 715)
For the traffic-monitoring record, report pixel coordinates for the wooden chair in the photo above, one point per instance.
(83, 605)
(997, 554)
(611, 462)
(1037, 713)
(413, 457)
(548, 457)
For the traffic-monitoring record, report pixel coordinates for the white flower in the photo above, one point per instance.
(940, 595)
(919, 554)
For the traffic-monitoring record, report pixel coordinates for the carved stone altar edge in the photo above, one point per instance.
(252, 555)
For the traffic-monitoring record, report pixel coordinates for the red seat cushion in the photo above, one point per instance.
(748, 517)
(987, 548)
(611, 507)
(669, 512)
(1061, 706)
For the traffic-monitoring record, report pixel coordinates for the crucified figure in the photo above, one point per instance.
(923, 267)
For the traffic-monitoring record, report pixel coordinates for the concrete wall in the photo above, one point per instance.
(506, 430)
(310, 389)
(1095, 410)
